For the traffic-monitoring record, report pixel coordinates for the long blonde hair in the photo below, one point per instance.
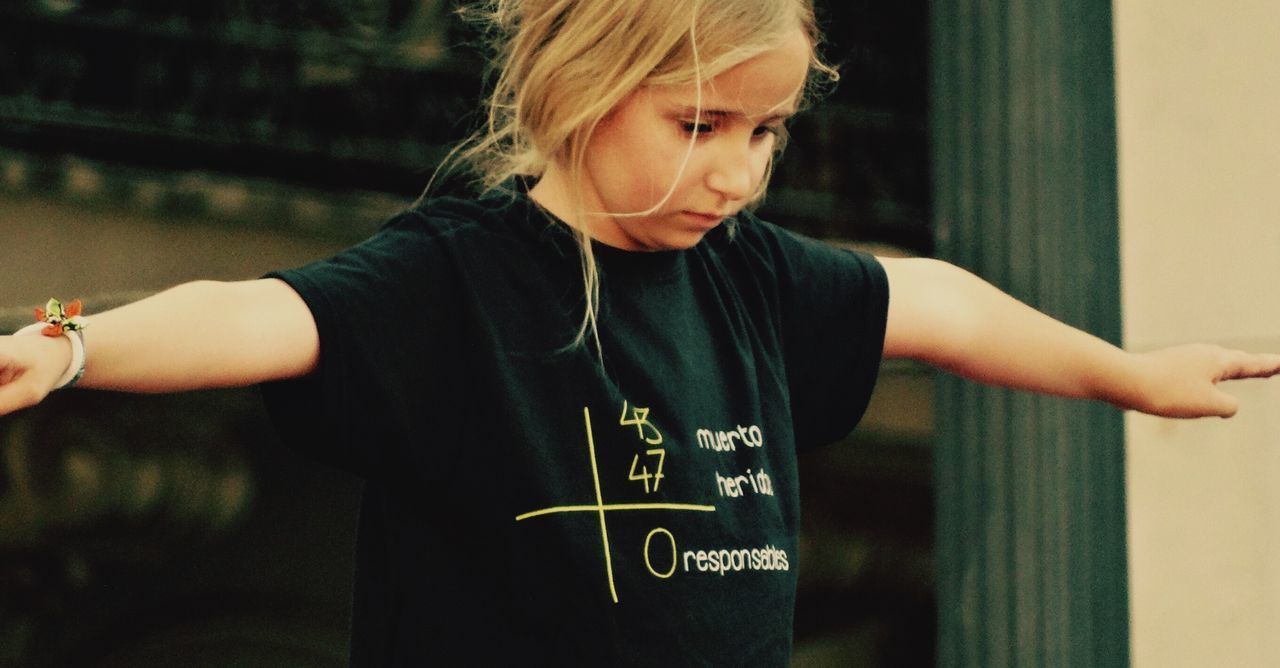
(562, 65)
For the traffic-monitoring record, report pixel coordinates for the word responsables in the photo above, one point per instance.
(727, 441)
(767, 558)
(656, 556)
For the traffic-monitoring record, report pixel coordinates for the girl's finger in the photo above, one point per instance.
(1249, 365)
(1224, 405)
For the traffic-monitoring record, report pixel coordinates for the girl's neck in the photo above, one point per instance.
(555, 193)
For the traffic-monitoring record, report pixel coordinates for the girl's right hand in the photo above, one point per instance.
(1182, 381)
(29, 366)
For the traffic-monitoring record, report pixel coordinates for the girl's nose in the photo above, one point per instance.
(730, 174)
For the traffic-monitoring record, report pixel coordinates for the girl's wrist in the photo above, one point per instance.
(1128, 385)
(62, 321)
(66, 352)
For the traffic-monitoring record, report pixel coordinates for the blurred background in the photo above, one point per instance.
(146, 143)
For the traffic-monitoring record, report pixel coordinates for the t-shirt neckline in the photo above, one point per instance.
(616, 263)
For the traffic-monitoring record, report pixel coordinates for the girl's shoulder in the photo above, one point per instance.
(504, 217)
(458, 220)
(751, 228)
(784, 253)
(769, 242)
(499, 211)
(450, 215)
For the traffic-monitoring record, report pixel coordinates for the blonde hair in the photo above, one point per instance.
(562, 65)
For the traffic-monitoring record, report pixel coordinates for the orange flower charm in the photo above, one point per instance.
(60, 319)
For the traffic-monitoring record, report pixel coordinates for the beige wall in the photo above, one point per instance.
(1198, 87)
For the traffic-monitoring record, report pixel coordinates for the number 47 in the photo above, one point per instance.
(644, 475)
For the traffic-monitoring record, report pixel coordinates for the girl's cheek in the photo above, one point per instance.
(652, 184)
(758, 166)
(665, 172)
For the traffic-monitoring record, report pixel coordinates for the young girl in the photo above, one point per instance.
(577, 398)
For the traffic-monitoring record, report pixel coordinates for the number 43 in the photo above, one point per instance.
(644, 475)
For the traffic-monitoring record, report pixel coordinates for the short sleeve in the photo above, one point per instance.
(386, 313)
(834, 305)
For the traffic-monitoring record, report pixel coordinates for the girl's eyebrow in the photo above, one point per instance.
(783, 114)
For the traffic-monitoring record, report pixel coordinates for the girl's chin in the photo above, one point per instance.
(681, 231)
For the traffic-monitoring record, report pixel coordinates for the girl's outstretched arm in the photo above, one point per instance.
(947, 317)
(197, 335)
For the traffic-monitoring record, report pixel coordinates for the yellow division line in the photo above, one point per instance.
(604, 529)
(616, 506)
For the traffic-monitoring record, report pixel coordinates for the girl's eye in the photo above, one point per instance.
(689, 127)
(765, 130)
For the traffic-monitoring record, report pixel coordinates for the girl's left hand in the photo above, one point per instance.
(1182, 381)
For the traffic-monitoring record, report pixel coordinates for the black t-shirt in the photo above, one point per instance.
(529, 502)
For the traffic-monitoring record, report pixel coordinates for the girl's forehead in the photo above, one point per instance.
(768, 84)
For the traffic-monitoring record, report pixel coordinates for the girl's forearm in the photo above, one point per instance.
(1002, 341)
(945, 316)
(201, 335)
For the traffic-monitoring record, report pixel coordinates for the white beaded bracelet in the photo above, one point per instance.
(76, 368)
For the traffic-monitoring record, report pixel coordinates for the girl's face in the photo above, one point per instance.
(635, 162)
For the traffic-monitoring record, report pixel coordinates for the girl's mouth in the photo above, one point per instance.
(710, 219)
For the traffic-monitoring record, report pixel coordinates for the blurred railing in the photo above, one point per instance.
(370, 95)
